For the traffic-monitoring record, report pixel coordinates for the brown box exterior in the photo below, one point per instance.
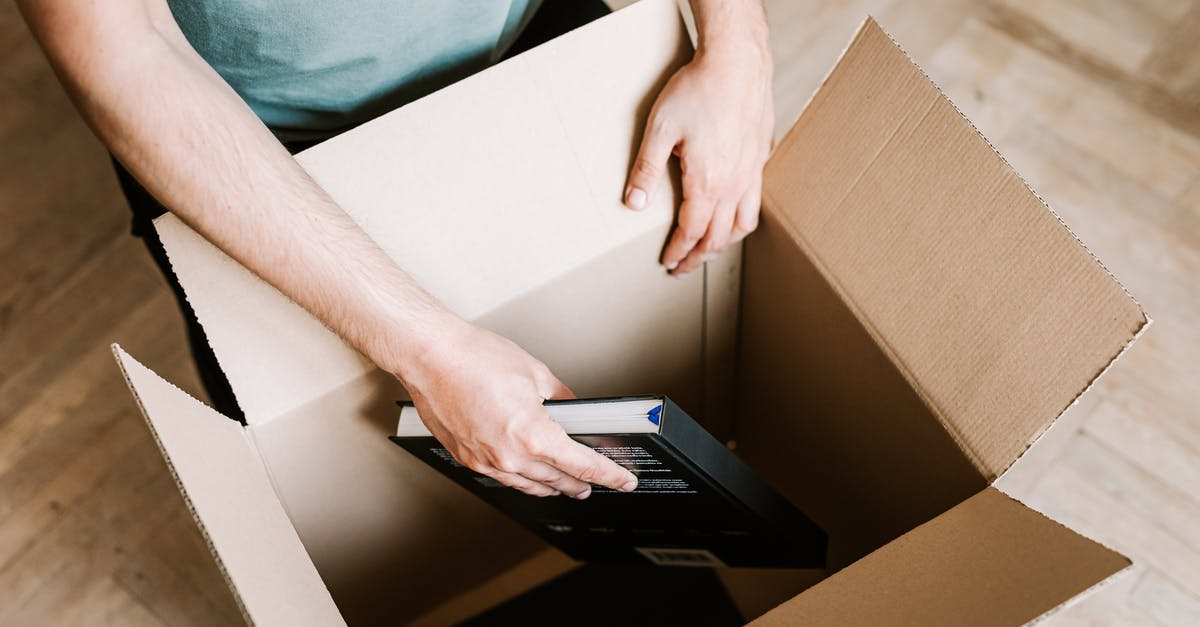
(907, 321)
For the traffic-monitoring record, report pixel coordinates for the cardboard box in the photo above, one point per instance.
(905, 323)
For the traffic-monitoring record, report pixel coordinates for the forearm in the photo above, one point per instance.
(200, 150)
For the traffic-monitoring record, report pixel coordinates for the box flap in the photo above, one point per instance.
(482, 191)
(987, 303)
(988, 561)
(227, 489)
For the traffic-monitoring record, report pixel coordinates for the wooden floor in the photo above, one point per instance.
(1097, 102)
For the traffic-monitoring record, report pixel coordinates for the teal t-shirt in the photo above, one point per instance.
(311, 68)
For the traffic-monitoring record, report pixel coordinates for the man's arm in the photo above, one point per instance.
(716, 114)
(192, 142)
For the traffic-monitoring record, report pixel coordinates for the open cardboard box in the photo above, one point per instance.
(906, 322)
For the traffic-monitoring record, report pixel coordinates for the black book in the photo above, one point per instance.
(696, 503)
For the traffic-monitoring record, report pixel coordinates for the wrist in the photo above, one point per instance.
(428, 349)
(735, 29)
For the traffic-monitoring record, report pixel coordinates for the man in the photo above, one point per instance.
(194, 97)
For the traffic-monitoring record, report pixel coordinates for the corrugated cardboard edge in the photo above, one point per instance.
(1075, 600)
(975, 458)
(1075, 401)
(1061, 524)
(1090, 590)
(825, 79)
(187, 298)
(1146, 320)
(212, 549)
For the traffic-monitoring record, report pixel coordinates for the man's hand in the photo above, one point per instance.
(194, 146)
(481, 397)
(716, 115)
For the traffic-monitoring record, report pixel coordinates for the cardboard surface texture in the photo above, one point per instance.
(988, 561)
(908, 319)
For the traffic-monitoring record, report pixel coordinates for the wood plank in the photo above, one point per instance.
(50, 338)
(1174, 461)
(1101, 31)
(134, 496)
(104, 602)
(22, 527)
(1140, 490)
(1166, 602)
(1179, 111)
(999, 83)
(1174, 62)
(62, 420)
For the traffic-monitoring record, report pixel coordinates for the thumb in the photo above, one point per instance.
(650, 164)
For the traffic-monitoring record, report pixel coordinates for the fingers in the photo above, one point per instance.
(650, 165)
(545, 474)
(582, 463)
(559, 465)
(523, 484)
(714, 241)
(706, 227)
(694, 215)
(747, 211)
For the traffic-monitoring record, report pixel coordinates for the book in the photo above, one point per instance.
(696, 503)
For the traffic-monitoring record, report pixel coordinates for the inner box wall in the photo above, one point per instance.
(824, 414)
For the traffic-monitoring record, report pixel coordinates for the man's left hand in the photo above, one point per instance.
(716, 115)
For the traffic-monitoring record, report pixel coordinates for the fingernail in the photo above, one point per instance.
(583, 495)
(555, 493)
(636, 199)
(709, 257)
(629, 487)
(671, 266)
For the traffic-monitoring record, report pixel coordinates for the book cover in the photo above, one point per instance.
(696, 503)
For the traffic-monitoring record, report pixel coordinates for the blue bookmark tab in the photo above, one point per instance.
(653, 414)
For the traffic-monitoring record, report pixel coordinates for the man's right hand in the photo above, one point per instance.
(481, 397)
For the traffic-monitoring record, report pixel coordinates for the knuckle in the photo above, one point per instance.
(556, 481)
(589, 473)
(659, 124)
(644, 168)
(507, 464)
(503, 461)
(538, 445)
(692, 232)
(467, 459)
(700, 183)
